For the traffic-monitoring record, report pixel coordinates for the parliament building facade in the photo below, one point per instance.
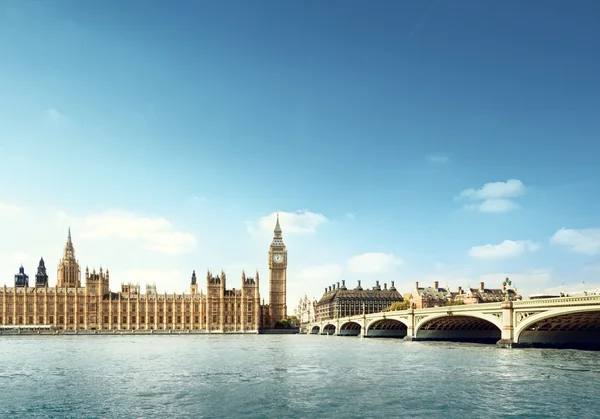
(71, 306)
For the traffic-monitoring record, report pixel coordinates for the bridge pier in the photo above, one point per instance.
(507, 339)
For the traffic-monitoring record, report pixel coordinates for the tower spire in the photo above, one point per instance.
(277, 227)
(69, 237)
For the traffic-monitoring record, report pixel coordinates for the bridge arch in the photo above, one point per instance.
(387, 328)
(315, 330)
(328, 329)
(574, 327)
(472, 327)
(350, 328)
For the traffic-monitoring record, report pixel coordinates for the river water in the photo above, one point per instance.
(291, 376)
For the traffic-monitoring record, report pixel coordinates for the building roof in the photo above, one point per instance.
(360, 294)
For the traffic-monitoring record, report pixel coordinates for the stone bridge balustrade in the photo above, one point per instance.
(565, 321)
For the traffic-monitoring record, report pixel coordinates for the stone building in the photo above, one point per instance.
(305, 312)
(339, 301)
(430, 296)
(486, 295)
(93, 306)
(437, 296)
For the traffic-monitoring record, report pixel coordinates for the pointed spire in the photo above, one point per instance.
(69, 238)
(277, 231)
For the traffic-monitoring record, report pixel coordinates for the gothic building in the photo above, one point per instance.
(93, 306)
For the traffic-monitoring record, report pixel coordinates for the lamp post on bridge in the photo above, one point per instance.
(506, 284)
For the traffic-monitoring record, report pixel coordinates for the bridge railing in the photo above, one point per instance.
(558, 301)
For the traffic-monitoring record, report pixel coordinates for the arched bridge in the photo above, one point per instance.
(569, 321)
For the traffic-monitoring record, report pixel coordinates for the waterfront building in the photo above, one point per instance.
(93, 306)
(436, 296)
(487, 295)
(339, 301)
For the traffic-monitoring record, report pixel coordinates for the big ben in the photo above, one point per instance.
(277, 277)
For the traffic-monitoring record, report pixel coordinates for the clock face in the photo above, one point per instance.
(277, 258)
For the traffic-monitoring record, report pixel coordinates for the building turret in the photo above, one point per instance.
(41, 278)
(22, 279)
(68, 268)
(194, 284)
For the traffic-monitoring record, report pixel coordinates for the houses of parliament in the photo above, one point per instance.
(69, 305)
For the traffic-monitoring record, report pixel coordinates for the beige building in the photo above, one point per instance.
(71, 306)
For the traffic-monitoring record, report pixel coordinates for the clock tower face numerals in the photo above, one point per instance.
(277, 258)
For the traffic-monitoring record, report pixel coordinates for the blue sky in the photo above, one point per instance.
(168, 138)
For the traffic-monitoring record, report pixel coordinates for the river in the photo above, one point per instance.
(289, 376)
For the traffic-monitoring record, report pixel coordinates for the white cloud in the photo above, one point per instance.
(523, 281)
(494, 196)
(493, 205)
(585, 241)
(322, 273)
(9, 210)
(438, 158)
(299, 222)
(373, 263)
(158, 234)
(350, 216)
(19, 257)
(54, 117)
(506, 249)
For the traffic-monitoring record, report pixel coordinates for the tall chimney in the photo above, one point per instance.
(330, 288)
(435, 285)
(460, 290)
(481, 287)
(338, 285)
(376, 283)
(416, 285)
(392, 284)
(325, 289)
(385, 285)
(359, 282)
(343, 282)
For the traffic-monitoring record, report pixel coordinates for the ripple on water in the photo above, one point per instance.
(289, 376)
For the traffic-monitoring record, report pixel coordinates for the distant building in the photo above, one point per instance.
(430, 296)
(306, 312)
(339, 301)
(437, 296)
(487, 295)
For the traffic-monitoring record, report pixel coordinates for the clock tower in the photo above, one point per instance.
(277, 277)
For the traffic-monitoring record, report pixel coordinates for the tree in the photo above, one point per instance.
(455, 303)
(398, 305)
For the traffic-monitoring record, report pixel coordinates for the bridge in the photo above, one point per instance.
(566, 321)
